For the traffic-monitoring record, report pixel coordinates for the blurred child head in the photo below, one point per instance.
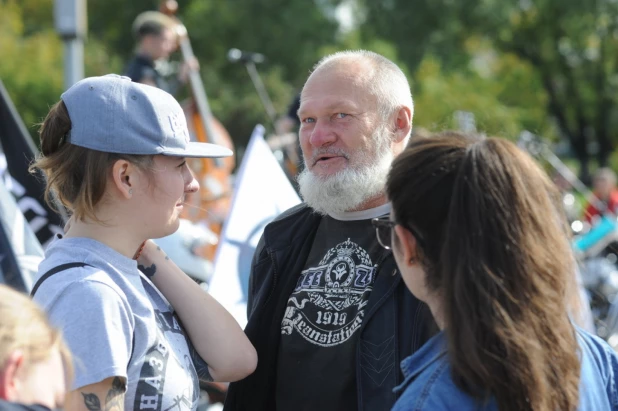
(35, 363)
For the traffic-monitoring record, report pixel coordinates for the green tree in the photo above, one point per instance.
(570, 44)
(33, 75)
(31, 69)
(503, 92)
(290, 34)
(493, 100)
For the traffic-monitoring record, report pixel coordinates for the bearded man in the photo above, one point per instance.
(329, 314)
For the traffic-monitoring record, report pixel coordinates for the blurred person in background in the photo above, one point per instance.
(35, 363)
(478, 233)
(604, 188)
(289, 122)
(156, 41)
(285, 143)
(143, 333)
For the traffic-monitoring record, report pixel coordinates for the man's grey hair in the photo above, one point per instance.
(384, 80)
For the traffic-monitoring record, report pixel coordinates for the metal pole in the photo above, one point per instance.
(73, 61)
(537, 146)
(71, 25)
(261, 90)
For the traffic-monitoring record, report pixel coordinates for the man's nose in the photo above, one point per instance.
(322, 134)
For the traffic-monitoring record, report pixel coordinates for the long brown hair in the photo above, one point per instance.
(497, 254)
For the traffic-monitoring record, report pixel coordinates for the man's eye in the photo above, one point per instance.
(181, 165)
(341, 115)
(309, 120)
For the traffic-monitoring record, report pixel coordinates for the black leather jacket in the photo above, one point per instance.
(395, 325)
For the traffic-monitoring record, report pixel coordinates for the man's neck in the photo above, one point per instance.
(372, 203)
(373, 208)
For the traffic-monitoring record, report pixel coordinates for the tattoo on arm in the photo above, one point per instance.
(152, 270)
(92, 402)
(166, 257)
(148, 271)
(115, 396)
(113, 401)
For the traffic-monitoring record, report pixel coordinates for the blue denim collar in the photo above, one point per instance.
(433, 350)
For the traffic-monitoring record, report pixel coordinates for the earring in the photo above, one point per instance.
(131, 191)
(412, 260)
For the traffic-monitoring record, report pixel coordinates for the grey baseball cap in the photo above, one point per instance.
(115, 115)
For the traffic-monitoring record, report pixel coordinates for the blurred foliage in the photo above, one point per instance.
(31, 55)
(547, 66)
(500, 110)
(33, 73)
(570, 47)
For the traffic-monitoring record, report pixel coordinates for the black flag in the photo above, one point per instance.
(19, 150)
(10, 272)
(20, 251)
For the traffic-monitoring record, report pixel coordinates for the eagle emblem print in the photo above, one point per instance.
(327, 306)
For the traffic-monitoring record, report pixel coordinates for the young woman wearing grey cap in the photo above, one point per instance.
(141, 331)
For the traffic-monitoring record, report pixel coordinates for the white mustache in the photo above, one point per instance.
(328, 150)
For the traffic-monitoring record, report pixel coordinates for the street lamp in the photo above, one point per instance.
(71, 24)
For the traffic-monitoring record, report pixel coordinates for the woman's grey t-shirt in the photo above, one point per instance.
(116, 323)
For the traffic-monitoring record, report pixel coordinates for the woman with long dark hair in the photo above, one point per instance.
(478, 233)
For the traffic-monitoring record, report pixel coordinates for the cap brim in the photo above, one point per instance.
(200, 150)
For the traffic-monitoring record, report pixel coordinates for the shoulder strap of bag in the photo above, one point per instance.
(63, 267)
(53, 271)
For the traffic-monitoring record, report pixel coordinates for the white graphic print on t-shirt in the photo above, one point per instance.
(162, 365)
(327, 305)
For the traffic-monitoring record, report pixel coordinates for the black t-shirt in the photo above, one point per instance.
(141, 68)
(316, 368)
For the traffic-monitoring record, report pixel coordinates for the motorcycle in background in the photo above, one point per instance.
(595, 246)
(597, 252)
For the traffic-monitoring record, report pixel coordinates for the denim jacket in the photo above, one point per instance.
(428, 384)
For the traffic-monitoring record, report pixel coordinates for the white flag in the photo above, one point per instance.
(262, 192)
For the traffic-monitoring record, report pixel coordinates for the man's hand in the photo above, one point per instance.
(186, 68)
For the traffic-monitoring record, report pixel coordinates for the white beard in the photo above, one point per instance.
(349, 188)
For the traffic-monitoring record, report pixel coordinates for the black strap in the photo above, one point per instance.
(53, 271)
(63, 267)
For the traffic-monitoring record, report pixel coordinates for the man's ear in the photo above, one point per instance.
(124, 176)
(407, 244)
(403, 123)
(9, 381)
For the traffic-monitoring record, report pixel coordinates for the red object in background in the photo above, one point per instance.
(612, 205)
